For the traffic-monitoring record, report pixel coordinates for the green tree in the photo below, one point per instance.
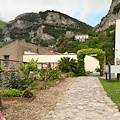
(67, 64)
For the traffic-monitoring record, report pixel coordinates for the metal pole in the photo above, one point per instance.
(117, 76)
(106, 75)
(109, 73)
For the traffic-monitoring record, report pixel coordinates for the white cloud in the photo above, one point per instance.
(93, 6)
(79, 9)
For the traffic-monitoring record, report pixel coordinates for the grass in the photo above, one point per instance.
(113, 90)
(2, 24)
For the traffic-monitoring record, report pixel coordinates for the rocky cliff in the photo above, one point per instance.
(110, 18)
(43, 25)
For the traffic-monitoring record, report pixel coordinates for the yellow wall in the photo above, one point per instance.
(91, 63)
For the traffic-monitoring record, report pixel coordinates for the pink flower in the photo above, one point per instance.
(41, 66)
(0, 114)
(46, 68)
(3, 118)
(33, 71)
(56, 67)
(38, 70)
(59, 70)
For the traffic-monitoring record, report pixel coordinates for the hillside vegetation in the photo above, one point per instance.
(54, 25)
(103, 40)
(116, 8)
(2, 24)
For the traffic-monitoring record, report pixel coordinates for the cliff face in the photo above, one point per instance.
(110, 18)
(44, 25)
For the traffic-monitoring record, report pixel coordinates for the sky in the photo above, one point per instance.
(88, 11)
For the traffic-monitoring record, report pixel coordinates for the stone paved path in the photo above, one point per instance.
(85, 100)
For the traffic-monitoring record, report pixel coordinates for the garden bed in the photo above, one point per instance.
(37, 109)
(61, 79)
(49, 83)
(20, 99)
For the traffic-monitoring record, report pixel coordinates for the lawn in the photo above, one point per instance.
(113, 89)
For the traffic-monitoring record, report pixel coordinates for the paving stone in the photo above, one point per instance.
(85, 100)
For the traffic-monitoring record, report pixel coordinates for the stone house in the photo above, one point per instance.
(15, 50)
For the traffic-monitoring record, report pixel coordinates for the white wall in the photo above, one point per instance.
(117, 42)
(91, 63)
(81, 37)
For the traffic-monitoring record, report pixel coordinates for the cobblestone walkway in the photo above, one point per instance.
(85, 100)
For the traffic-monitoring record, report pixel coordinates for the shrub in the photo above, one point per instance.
(33, 92)
(69, 74)
(31, 66)
(97, 69)
(67, 64)
(49, 74)
(12, 93)
(9, 92)
(43, 87)
(34, 84)
(1, 80)
(13, 79)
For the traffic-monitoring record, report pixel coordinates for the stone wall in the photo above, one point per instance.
(9, 49)
(23, 46)
(16, 50)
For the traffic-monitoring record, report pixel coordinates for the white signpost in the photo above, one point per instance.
(112, 69)
(115, 69)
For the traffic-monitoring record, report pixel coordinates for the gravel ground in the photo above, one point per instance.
(43, 103)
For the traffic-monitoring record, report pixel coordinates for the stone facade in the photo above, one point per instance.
(15, 50)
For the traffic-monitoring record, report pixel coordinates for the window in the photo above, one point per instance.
(6, 63)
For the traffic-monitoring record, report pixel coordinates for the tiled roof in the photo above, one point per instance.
(81, 35)
(51, 52)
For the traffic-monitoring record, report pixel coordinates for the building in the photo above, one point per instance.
(16, 49)
(117, 43)
(81, 38)
(91, 63)
(19, 50)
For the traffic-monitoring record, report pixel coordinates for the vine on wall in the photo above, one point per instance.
(100, 55)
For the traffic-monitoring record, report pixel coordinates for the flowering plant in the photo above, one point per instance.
(1, 118)
(49, 74)
(11, 80)
(1, 80)
(17, 80)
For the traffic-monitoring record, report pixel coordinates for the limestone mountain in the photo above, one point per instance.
(110, 18)
(48, 25)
